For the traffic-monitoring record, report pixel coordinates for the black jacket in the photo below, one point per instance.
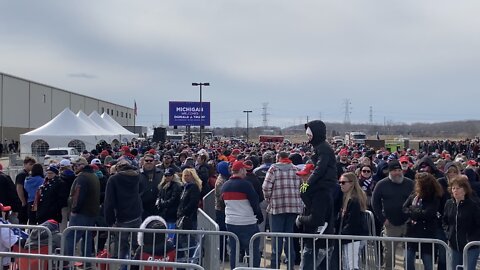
(53, 198)
(8, 193)
(168, 201)
(323, 157)
(422, 217)
(253, 179)
(353, 221)
(203, 173)
(122, 197)
(149, 181)
(189, 203)
(461, 222)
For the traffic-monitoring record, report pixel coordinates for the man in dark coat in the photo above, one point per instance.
(150, 178)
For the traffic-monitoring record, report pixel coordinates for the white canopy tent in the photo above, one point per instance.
(108, 123)
(68, 130)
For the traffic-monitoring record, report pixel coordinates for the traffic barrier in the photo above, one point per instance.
(324, 250)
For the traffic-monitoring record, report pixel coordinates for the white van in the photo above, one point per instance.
(59, 153)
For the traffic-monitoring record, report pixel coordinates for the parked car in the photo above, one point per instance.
(59, 153)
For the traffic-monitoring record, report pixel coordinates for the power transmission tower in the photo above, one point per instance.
(265, 114)
(347, 103)
(371, 115)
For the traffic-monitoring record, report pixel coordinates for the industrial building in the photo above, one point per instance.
(26, 105)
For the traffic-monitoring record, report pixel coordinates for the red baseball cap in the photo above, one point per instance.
(343, 152)
(238, 165)
(306, 170)
(472, 162)
(404, 159)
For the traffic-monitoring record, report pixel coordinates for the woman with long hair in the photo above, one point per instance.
(170, 190)
(351, 218)
(461, 219)
(421, 207)
(187, 210)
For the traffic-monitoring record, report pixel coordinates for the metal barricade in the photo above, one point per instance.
(211, 243)
(332, 251)
(465, 255)
(209, 204)
(189, 246)
(28, 239)
(58, 262)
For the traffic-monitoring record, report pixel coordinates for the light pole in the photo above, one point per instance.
(247, 112)
(201, 106)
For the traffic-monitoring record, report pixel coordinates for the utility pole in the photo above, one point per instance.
(247, 112)
(201, 108)
(371, 115)
(264, 114)
(347, 103)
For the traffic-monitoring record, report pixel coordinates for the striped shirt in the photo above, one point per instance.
(241, 202)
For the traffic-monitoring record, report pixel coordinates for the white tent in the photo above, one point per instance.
(67, 130)
(111, 125)
(116, 125)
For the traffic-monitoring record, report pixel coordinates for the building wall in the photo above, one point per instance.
(26, 105)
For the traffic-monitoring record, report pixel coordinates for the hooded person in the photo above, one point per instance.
(317, 194)
(426, 164)
(153, 246)
(323, 157)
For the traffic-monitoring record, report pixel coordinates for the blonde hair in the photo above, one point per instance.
(164, 184)
(355, 192)
(196, 178)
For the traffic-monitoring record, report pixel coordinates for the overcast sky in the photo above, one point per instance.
(411, 61)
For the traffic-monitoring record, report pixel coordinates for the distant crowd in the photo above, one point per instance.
(312, 187)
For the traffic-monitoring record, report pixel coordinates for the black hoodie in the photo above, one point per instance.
(122, 197)
(323, 157)
(434, 170)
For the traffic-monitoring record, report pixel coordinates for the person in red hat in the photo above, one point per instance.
(242, 212)
(342, 164)
(405, 164)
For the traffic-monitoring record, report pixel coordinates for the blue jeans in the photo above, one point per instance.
(472, 256)
(426, 259)
(244, 234)
(123, 244)
(316, 259)
(282, 223)
(220, 219)
(73, 237)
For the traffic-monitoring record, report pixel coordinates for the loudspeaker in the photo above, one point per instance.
(159, 134)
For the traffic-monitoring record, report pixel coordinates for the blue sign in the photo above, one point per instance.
(187, 113)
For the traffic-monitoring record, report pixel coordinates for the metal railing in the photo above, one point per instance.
(59, 261)
(325, 249)
(209, 204)
(190, 246)
(466, 263)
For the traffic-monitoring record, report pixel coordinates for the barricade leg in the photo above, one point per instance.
(351, 255)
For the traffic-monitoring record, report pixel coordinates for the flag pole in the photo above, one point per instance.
(134, 116)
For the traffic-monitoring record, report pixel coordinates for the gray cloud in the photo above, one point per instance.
(82, 75)
(406, 59)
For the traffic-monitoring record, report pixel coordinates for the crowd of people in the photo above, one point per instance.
(312, 187)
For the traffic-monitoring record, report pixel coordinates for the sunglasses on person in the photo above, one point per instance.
(366, 171)
(344, 182)
(148, 160)
(167, 157)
